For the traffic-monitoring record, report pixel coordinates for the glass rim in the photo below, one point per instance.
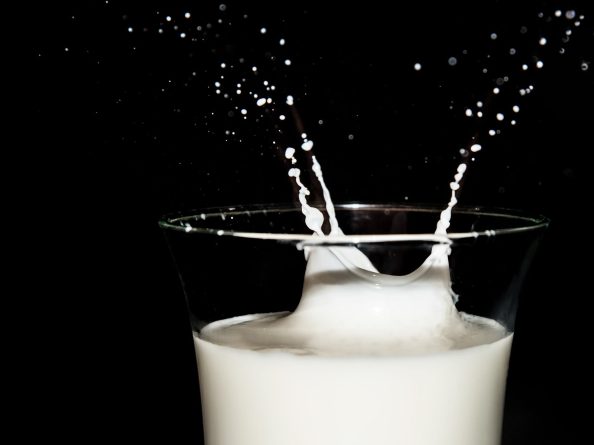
(179, 221)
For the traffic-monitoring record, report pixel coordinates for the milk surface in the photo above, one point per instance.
(289, 397)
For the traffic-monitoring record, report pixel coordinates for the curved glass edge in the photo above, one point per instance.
(525, 223)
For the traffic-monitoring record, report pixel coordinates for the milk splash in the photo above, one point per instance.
(247, 85)
(422, 303)
(412, 313)
(427, 303)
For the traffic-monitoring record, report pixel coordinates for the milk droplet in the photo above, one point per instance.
(168, 18)
(479, 104)
(289, 152)
(479, 114)
(130, 29)
(516, 109)
(513, 122)
(187, 15)
(492, 133)
(243, 111)
(222, 7)
(223, 65)
(542, 41)
(307, 145)
(493, 36)
(570, 14)
(282, 117)
(417, 67)
(261, 102)
(468, 112)
(558, 13)
(476, 147)
(254, 69)
(288, 62)
(539, 64)
(262, 30)
(182, 35)
(281, 42)
(496, 90)
(500, 116)
(452, 61)
(525, 67)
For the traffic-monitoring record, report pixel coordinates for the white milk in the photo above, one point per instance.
(365, 359)
(275, 397)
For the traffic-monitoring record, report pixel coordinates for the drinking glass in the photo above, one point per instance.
(358, 366)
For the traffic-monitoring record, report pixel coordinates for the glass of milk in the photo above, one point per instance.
(380, 332)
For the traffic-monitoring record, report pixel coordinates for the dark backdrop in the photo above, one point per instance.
(118, 131)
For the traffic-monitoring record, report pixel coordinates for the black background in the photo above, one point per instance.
(115, 136)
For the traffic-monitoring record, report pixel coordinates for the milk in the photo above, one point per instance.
(277, 397)
(365, 358)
